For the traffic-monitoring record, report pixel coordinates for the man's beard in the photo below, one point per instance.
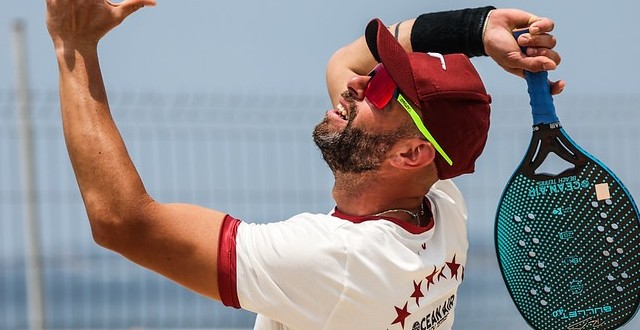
(353, 150)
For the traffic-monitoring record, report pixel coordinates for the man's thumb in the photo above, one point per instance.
(130, 6)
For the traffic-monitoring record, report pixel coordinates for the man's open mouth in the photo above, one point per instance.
(342, 111)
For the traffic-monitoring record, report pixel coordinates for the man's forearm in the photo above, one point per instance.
(424, 33)
(107, 179)
(446, 32)
(456, 31)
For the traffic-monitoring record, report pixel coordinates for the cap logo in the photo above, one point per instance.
(441, 58)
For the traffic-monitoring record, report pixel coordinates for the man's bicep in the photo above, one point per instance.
(179, 241)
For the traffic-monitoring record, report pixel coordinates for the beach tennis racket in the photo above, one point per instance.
(568, 243)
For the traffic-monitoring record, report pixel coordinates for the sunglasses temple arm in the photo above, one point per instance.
(416, 119)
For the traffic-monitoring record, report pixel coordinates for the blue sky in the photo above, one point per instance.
(244, 47)
(203, 45)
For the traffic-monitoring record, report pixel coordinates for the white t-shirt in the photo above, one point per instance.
(317, 271)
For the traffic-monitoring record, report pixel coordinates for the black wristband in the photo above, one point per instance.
(448, 32)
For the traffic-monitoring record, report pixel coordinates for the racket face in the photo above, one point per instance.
(568, 245)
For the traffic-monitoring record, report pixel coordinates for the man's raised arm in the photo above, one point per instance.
(474, 32)
(176, 240)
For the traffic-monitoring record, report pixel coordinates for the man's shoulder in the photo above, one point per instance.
(300, 225)
(446, 188)
(446, 196)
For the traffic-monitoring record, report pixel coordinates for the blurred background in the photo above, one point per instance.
(217, 102)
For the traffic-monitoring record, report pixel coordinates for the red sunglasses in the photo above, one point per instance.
(381, 89)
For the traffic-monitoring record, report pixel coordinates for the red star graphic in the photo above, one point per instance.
(442, 274)
(453, 266)
(417, 292)
(430, 277)
(402, 315)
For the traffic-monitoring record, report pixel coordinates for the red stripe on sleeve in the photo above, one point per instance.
(227, 281)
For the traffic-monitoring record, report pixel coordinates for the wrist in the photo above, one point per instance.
(64, 48)
(456, 31)
(486, 22)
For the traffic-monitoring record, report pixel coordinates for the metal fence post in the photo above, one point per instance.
(33, 262)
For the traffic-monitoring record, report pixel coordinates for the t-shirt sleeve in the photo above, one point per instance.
(227, 281)
(453, 194)
(292, 271)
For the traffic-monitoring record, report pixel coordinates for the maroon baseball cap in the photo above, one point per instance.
(447, 90)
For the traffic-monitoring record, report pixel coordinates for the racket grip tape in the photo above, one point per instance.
(541, 101)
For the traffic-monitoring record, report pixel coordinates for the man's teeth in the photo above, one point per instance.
(342, 110)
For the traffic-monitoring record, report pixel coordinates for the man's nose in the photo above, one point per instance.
(357, 86)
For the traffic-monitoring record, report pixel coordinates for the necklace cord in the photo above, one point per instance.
(415, 215)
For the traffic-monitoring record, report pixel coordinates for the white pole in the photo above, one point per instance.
(33, 257)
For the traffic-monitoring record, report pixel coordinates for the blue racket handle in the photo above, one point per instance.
(542, 108)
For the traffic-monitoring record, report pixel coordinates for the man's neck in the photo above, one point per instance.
(369, 194)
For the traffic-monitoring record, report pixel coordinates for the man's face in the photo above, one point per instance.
(352, 149)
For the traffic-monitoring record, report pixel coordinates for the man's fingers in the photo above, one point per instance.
(557, 87)
(538, 63)
(136, 4)
(537, 40)
(540, 25)
(520, 62)
(128, 7)
(545, 52)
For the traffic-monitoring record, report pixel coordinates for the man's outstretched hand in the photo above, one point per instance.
(82, 23)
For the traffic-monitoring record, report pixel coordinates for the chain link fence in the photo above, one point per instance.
(252, 156)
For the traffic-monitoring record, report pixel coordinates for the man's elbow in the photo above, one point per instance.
(114, 229)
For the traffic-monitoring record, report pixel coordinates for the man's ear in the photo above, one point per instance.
(413, 153)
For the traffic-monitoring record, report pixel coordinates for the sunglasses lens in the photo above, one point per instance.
(381, 87)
